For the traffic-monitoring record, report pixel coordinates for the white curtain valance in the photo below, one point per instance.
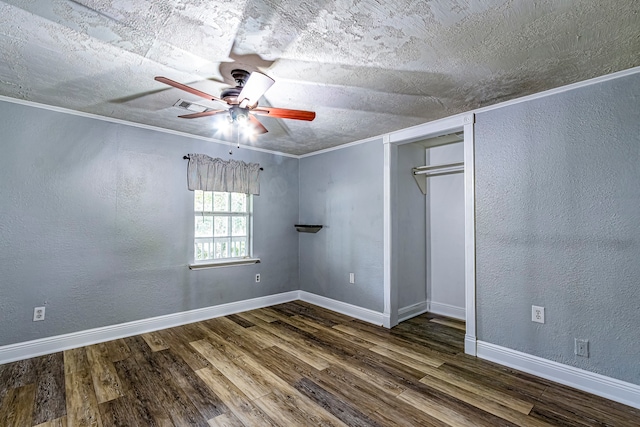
(234, 176)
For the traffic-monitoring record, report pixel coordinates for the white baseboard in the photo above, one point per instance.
(470, 345)
(417, 309)
(365, 314)
(610, 388)
(412, 310)
(600, 385)
(447, 310)
(39, 347)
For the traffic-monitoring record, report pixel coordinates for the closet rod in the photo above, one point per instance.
(428, 168)
(439, 173)
(422, 170)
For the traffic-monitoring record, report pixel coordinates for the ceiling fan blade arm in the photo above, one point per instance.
(203, 114)
(189, 89)
(283, 113)
(256, 86)
(259, 127)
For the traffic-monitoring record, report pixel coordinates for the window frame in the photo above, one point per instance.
(226, 261)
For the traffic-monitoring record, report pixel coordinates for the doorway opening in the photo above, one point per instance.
(431, 237)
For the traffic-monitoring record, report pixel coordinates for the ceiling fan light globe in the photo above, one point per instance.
(242, 119)
(224, 128)
(249, 132)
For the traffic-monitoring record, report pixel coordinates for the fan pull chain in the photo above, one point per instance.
(231, 142)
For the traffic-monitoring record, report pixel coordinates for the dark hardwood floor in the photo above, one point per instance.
(290, 365)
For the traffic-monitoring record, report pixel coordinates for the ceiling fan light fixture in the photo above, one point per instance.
(241, 104)
(238, 114)
(242, 119)
(248, 131)
(224, 128)
(237, 117)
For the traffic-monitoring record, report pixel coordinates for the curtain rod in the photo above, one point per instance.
(187, 158)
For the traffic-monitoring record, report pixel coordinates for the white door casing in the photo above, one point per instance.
(463, 122)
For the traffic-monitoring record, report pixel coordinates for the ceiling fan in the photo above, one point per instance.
(242, 100)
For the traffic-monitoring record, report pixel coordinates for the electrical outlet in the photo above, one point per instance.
(352, 278)
(258, 278)
(38, 314)
(581, 347)
(537, 314)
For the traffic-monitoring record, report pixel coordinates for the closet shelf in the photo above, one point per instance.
(308, 228)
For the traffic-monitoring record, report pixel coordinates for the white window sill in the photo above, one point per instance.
(224, 263)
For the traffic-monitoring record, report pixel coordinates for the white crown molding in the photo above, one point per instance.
(364, 314)
(136, 125)
(39, 347)
(405, 135)
(394, 135)
(607, 387)
(551, 92)
(340, 147)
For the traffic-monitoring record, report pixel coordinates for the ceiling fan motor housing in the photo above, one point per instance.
(231, 94)
(240, 77)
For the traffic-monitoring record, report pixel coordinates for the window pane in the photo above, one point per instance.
(203, 249)
(238, 247)
(220, 202)
(221, 248)
(221, 226)
(204, 226)
(221, 235)
(238, 226)
(198, 199)
(238, 202)
(208, 201)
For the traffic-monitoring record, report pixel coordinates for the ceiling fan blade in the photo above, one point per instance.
(259, 127)
(283, 113)
(188, 89)
(203, 114)
(256, 86)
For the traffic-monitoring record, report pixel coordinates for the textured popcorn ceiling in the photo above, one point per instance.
(366, 67)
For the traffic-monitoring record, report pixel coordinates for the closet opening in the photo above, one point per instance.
(430, 225)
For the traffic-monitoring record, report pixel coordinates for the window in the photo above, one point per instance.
(222, 225)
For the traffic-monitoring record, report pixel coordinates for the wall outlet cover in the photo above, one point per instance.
(581, 347)
(38, 314)
(537, 314)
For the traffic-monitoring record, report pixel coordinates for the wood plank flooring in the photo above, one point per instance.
(290, 365)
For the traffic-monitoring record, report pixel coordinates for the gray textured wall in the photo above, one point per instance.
(558, 225)
(343, 190)
(445, 213)
(96, 224)
(412, 228)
